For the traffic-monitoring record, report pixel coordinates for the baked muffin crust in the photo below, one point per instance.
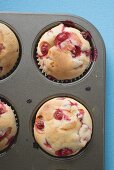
(62, 126)
(63, 53)
(9, 49)
(8, 128)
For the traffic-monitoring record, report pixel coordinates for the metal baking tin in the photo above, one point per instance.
(26, 88)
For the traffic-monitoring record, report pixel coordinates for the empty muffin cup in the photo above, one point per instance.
(62, 127)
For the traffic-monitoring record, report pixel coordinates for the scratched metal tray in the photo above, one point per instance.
(27, 87)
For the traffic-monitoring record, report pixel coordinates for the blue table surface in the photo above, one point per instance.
(101, 14)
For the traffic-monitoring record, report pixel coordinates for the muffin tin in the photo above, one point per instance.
(26, 88)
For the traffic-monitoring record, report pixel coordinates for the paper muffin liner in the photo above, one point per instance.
(14, 139)
(38, 147)
(93, 56)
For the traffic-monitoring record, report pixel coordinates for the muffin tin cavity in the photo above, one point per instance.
(86, 35)
(65, 115)
(10, 50)
(6, 134)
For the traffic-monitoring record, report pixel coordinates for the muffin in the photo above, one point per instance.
(8, 128)
(63, 53)
(9, 50)
(62, 127)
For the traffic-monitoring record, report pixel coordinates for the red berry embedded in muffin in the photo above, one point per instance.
(44, 47)
(76, 51)
(64, 152)
(2, 108)
(58, 115)
(40, 124)
(61, 37)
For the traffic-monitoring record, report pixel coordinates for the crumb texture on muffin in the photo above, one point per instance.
(62, 126)
(9, 49)
(63, 52)
(8, 128)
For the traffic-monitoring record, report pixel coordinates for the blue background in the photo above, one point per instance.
(101, 14)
